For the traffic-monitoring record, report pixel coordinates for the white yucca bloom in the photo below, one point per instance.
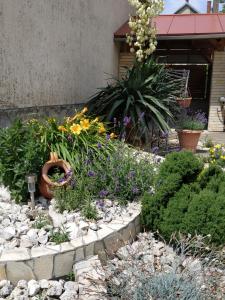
(142, 27)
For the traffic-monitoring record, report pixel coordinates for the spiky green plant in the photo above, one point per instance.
(146, 94)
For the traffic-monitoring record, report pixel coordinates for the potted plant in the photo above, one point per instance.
(189, 128)
(184, 99)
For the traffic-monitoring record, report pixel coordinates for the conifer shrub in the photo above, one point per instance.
(188, 199)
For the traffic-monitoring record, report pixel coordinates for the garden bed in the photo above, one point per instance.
(44, 243)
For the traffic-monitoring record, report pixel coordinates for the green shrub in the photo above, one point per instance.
(177, 169)
(21, 153)
(206, 215)
(172, 217)
(153, 205)
(184, 163)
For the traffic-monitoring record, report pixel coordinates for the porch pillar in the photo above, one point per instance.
(216, 119)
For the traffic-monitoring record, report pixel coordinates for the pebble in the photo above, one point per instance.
(33, 288)
(55, 289)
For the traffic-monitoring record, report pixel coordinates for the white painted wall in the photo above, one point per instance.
(57, 51)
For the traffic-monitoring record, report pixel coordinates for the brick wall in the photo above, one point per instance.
(216, 122)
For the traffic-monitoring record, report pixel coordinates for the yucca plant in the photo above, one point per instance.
(146, 95)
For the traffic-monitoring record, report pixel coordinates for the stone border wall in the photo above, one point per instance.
(56, 261)
(10, 114)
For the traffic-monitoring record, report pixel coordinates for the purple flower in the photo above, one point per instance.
(100, 203)
(165, 134)
(103, 193)
(155, 150)
(135, 190)
(131, 174)
(91, 174)
(87, 161)
(107, 137)
(126, 121)
(141, 115)
(61, 180)
(99, 146)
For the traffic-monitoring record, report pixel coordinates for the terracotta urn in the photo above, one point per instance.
(46, 185)
(188, 139)
(184, 102)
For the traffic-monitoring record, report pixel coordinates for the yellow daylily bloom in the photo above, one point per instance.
(62, 128)
(84, 110)
(101, 128)
(113, 135)
(95, 120)
(85, 124)
(76, 129)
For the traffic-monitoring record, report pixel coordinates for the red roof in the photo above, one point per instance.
(184, 25)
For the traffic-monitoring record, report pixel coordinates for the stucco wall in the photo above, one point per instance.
(216, 115)
(57, 51)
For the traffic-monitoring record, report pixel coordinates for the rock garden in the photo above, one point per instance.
(88, 210)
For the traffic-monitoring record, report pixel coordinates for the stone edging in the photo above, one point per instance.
(49, 262)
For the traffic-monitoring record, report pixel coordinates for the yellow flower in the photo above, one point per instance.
(85, 124)
(101, 128)
(113, 135)
(51, 120)
(95, 120)
(218, 146)
(223, 157)
(84, 110)
(62, 128)
(76, 129)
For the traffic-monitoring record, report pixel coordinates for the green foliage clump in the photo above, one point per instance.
(184, 164)
(59, 236)
(177, 169)
(196, 206)
(169, 286)
(20, 155)
(122, 175)
(147, 88)
(41, 221)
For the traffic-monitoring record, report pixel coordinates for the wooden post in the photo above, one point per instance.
(215, 6)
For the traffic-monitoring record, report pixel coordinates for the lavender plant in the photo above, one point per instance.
(192, 120)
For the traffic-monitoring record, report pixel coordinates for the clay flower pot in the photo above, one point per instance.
(188, 139)
(184, 102)
(46, 184)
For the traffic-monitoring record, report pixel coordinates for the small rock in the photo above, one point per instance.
(33, 287)
(22, 284)
(8, 233)
(69, 295)
(44, 284)
(6, 222)
(71, 285)
(25, 242)
(123, 253)
(6, 290)
(3, 283)
(107, 218)
(83, 225)
(55, 289)
(108, 203)
(32, 234)
(94, 226)
(43, 239)
(57, 219)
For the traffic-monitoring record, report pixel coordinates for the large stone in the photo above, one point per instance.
(79, 254)
(63, 263)
(43, 267)
(71, 286)
(113, 242)
(2, 272)
(19, 270)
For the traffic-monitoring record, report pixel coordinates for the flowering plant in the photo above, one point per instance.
(75, 136)
(143, 30)
(192, 121)
(217, 154)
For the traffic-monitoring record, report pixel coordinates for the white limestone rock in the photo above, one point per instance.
(33, 288)
(55, 289)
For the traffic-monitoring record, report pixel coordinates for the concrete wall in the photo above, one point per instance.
(56, 52)
(216, 116)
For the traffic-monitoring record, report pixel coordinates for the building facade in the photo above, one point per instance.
(56, 52)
